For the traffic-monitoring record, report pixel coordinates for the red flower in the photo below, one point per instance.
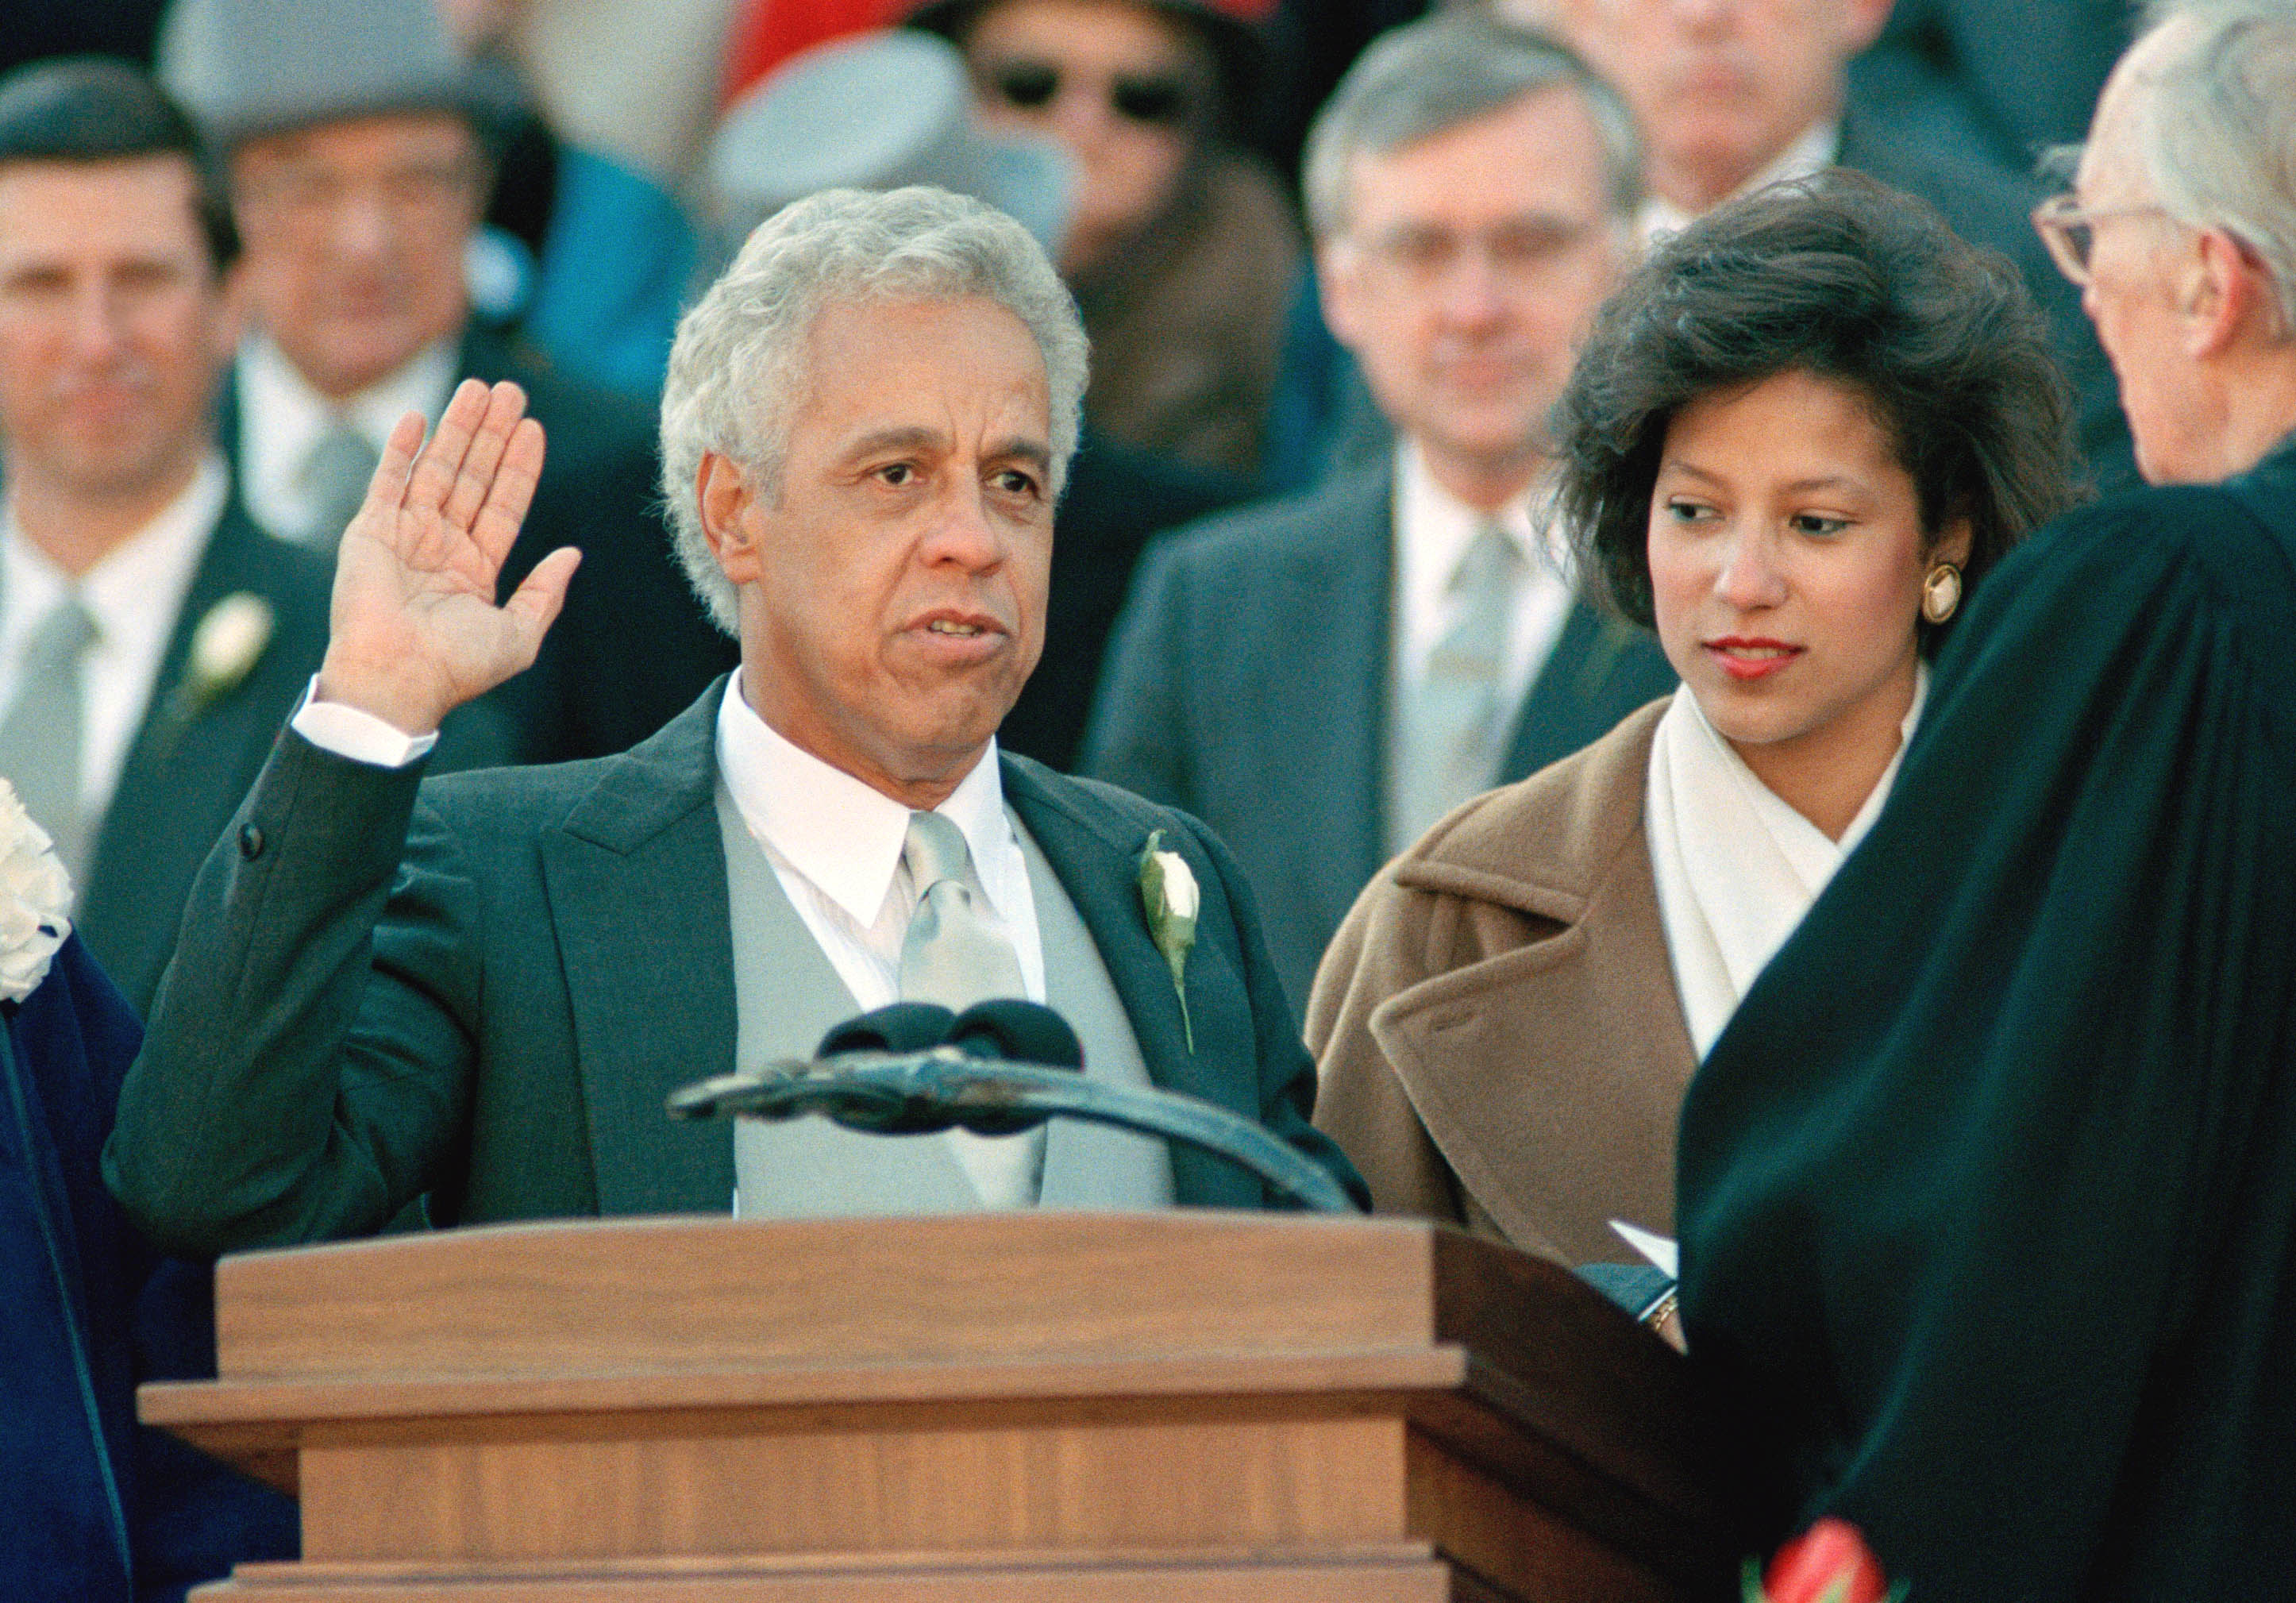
(1829, 1563)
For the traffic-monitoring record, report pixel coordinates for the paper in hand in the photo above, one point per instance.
(1661, 1250)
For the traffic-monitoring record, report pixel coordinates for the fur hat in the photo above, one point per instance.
(878, 111)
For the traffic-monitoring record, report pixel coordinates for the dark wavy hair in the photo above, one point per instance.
(1848, 280)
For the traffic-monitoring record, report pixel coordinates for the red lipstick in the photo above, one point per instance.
(1747, 658)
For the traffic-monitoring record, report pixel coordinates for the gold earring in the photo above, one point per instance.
(1941, 592)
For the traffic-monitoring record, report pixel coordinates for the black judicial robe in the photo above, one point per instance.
(1987, 1195)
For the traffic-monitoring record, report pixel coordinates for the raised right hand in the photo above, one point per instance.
(413, 630)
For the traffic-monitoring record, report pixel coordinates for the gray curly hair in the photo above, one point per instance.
(737, 368)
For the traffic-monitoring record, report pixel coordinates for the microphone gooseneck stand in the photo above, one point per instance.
(922, 1092)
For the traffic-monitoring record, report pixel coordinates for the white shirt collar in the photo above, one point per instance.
(1434, 528)
(839, 833)
(1813, 151)
(282, 418)
(134, 592)
(1734, 865)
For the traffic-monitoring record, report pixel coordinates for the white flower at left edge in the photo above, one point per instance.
(35, 900)
(224, 646)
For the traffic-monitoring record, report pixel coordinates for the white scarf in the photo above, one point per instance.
(1736, 866)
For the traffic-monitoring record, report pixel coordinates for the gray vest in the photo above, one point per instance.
(787, 995)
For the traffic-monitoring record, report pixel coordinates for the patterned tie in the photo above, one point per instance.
(953, 956)
(41, 737)
(336, 473)
(1445, 746)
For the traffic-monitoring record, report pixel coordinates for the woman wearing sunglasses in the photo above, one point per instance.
(1798, 437)
(1181, 248)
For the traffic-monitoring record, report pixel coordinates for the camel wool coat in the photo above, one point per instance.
(1499, 1040)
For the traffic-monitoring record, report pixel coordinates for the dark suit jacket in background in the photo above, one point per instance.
(632, 646)
(1247, 684)
(497, 1020)
(2015, 79)
(185, 776)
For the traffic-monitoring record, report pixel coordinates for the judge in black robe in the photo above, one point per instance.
(1988, 1192)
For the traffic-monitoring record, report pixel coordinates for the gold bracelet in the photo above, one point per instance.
(1659, 1313)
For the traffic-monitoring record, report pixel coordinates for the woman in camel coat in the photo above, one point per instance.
(1797, 433)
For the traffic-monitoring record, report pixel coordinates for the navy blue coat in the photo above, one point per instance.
(93, 1507)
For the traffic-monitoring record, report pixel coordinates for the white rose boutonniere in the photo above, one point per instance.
(35, 900)
(1169, 896)
(226, 643)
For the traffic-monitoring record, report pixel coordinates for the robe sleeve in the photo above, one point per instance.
(1988, 1192)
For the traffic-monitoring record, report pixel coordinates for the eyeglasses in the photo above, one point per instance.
(2068, 229)
(1161, 100)
(1526, 253)
(304, 196)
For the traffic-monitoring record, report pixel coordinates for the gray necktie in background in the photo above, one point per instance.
(952, 956)
(41, 737)
(336, 473)
(1451, 725)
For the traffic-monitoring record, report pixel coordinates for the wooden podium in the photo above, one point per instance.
(1027, 1406)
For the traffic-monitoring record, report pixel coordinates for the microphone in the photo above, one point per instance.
(998, 1068)
(903, 1027)
(1011, 1031)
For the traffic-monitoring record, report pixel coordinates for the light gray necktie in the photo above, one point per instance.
(41, 737)
(952, 956)
(1446, 747)
(336, 473)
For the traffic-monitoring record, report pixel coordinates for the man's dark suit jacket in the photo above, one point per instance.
(633, 646)
(483, 987)
(2014, 80)
(1249, 685)
(189, 766)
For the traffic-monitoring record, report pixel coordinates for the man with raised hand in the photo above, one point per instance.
(482, 989)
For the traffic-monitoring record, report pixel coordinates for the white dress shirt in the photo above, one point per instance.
(1813, 151)
(133, 595)
(1433, 530)
(281, 419)
(834, 843)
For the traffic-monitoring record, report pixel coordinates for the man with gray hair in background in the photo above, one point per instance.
(483, 988)
(1322, 678)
